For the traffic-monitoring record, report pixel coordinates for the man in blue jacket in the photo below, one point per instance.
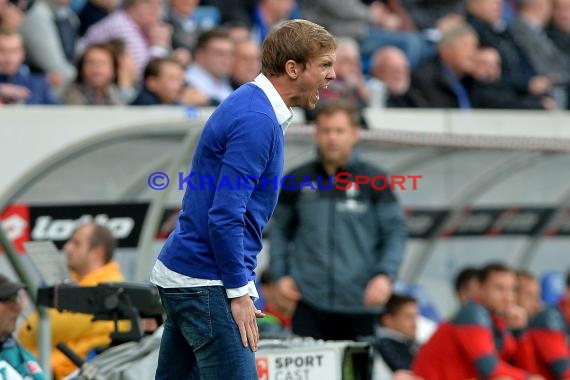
(17, 84)
(205, 271)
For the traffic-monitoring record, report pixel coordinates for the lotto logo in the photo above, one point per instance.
(16, 223)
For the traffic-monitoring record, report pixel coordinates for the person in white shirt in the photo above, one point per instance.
(212, 67)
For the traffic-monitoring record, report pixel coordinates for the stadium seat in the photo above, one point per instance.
(552, 287)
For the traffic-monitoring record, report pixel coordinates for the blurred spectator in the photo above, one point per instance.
(543, 347)
(348, 245)
(350, 84)
(233, 11)
(17, 84)
(396, 10)
(529, 34)
(247, 62)
(444, 81)
(212, 67)
(528, 293)
(486, 17)
(16, 361)
(277, 318)
(11, 15)
(186, 26)
(390, 66)
(490, 91)
(466, 285)
(50, 31)
(396, 339)
(238, 31)
(163, 82)
(476, 342)
(138, 24)
(426, 14)
(96, 80)
(545, 58)
(89, 253)
(267, 14)
(94, 11)
(559, 30)
(127, 72)
(373, 26)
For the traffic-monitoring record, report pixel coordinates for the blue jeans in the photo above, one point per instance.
(201, 339)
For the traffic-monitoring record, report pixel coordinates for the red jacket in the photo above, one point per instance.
(543, 349)
(473, 344)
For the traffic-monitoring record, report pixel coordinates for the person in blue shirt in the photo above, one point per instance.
(17, 84)
(16, 363)
(205, 270)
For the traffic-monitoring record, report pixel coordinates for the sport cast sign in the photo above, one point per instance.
(298, 365)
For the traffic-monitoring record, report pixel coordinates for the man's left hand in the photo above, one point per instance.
(378, 291)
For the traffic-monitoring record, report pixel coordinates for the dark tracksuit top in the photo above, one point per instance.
(543, 349)
(473, 344)
(333, 241)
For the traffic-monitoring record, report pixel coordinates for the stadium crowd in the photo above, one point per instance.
(508, 54)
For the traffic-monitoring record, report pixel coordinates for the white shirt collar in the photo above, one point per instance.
(283, 113)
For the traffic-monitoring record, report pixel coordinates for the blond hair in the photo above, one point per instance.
(297, 40)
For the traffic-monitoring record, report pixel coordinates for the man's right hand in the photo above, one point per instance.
(12, 92)
(539, 85)
(245, 314)
(548, 103)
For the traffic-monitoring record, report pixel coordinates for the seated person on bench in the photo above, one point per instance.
(89, 254)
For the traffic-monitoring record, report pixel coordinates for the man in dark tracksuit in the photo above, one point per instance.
(334, 253)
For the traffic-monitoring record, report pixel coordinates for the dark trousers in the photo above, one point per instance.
(312, 322)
